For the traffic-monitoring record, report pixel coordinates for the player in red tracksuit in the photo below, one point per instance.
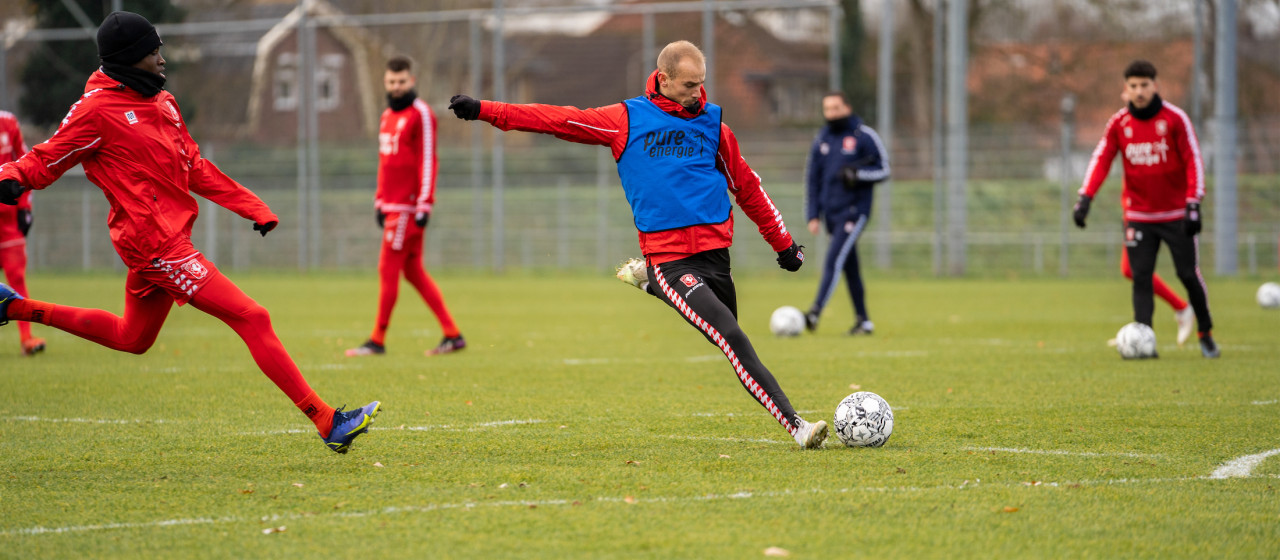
(403, 203)
(1163, 188)
(128, 135)
(15, 223)
(678, 163)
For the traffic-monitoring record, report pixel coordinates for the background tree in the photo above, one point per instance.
(853, 61)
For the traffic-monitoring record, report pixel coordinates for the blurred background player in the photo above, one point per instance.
(15, 223)
(128, 135)
(406, 193)
(1162, 190)
(678, 163)
(845, 163)
(1182, 312)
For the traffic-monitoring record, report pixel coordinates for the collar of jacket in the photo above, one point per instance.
(1149, 111)
(147, 84)
(403, 102)
(668, 105)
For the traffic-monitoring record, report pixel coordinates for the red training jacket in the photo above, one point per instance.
(12, 148)
(407, 160)
(608, 126)
(138, 151)
(1162, 167)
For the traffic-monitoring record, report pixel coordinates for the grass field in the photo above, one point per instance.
(587, 420)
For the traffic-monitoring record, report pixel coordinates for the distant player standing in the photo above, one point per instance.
(15, 223)
(678, 163)
(129, 136)
(403, 203)
(845, 163)
(1163, 188)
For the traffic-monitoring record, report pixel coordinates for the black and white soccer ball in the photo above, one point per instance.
(1136, 341)
(863, 419)
(1269, 295)
(786, 321)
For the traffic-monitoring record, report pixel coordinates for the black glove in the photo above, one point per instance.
(10, 190)
(264, 228)
(1081, 210)
(382, 218)
(24, 221)
(464, 107)
(791, 258)
(422, 218)
(849, 176)
(1192, 224)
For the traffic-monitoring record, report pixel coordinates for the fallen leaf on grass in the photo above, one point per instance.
(298, 484)
(379, 465)
(1010, 509)
(855, 386)
(723, 456)
(533, 506)
(629, 462)
(629, 499)
(776, 551)
(270, 530)
(577, 503)
(247, 491)
(503, 485)
(339, 505)
(902, 470)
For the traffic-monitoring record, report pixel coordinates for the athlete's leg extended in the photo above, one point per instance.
(135, 332)
(421, 281)
(684, 289)
(857, 292)
(1185, 250)
(844, 234)
(1143, 246)
(391, 262)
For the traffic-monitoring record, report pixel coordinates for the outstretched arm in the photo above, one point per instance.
(600, 126)
(76, 139)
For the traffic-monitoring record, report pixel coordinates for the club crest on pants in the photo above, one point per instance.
(194, 269)
(689, 280)
(1132, 237)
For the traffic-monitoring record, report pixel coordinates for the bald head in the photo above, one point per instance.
(681, 71)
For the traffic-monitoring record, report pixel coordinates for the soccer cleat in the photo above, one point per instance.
(1209, 348)
(448, 345)
(369, 348)
(810, 436)
(811, 321)
(7, 296)
(32, 346)
(864, 327)
(634, 272)
(347, 424)
(1186, 319)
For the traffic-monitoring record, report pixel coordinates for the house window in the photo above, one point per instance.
(285, 83)
(328, 86)
(328, 83)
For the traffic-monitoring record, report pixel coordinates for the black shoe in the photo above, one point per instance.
(811, 321)
(862, 327)
(369, 348)
(448, 346)
(1209, 348)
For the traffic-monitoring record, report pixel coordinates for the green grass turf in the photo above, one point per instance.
(622, 433)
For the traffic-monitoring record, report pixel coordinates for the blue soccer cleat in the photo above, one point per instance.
(349, 424)
(7, 295)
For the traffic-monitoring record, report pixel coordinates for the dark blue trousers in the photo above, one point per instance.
(842, 256)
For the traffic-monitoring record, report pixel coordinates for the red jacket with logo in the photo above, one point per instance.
(1162, 167)
(138, 151)
(407, 159)
(608, 126)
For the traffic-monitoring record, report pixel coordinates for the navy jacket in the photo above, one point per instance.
(848, 144)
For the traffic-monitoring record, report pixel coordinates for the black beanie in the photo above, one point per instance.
(126, 38)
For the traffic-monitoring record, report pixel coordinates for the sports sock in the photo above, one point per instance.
(30, 310)
(1205, 333)
(426, 286)
(319, 412)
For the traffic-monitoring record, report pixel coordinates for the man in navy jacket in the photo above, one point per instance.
(846, 162)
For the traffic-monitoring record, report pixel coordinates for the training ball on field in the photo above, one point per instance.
(863, 419)
(1269, 295)
(786, 321)
(1136, 341)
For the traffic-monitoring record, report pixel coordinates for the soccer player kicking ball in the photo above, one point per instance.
(1163, 188)
(128, 134)
(678, 162)
(406, 192)
(15, 223)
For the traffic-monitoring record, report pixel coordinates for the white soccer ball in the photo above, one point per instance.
(1136, 341)
(786, 321)
(863, 419)
(1269, 295)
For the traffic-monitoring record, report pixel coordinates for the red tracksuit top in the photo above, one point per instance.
(138, 151)
(607, 126)
(1162, 167)
(12, 148)
(407, 160)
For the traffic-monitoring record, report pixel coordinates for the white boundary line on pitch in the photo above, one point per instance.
(82, 420)
(426, 428)
(1061, 452)
(629, 500)
(1242, 467)
(726, 439)
(1272, 401)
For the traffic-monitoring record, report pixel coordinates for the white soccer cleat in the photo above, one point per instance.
(635, 273)
(810, 436)
(1186, 318)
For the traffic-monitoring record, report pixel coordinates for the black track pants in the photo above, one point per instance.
(701, 289)
(1142, 242)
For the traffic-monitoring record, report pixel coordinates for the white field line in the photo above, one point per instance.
(719, 414)
(728, 439)
(1061, 452)
(1272, 401)
(427, 428)
(81, 420)
(1243, 466)
(611, 500)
